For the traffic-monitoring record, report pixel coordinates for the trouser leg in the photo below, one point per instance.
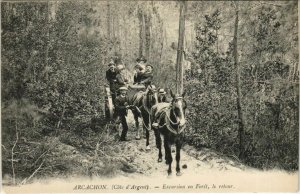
(124, 126)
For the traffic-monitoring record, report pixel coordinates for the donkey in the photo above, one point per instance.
(143, 101)
(170, 122)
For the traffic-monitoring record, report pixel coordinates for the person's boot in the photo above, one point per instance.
(123, 139)
(123, 136)
(155, 125)
(137, 136)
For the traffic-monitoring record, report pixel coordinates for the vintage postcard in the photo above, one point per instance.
(149, 96)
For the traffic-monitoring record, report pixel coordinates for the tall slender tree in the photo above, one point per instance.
(108, 21)
(179, 70)
(141, 30)
(147, 18)
(238, 83)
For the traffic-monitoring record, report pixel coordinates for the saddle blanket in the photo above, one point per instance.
(158, 110)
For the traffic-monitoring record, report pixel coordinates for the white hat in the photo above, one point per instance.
(120, 67)
(123, 88)
(161, 91)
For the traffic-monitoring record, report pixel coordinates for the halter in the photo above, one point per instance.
(144, 102)
(144, 105)
(169, 122)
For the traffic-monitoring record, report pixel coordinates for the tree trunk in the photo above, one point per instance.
(238, 87)
(217, 41)
(147, 18)
(124, 42)
(48, 38)
(296, 72)
(162, 41)
(108, 21)
(118, 35)
(141, 41)
(179, 70)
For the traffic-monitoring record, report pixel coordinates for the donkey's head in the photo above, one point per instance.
(178, 106)
(151, 95)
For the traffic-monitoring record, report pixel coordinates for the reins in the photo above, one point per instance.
(138, 109)
(168, 122)
(144, 104)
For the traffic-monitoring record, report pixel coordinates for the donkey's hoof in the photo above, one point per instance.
(159, 160)
(169, 174)
(178, 173)
(148, 148)
(155, 125)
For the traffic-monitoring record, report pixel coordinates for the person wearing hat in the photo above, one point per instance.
(121, 81)
(147, 77)
(138, 74)
(121, 105)
(142, 60)
(139, 69)
(111, 75)
(162, 95)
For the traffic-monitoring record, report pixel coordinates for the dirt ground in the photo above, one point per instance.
(194, 161)
(128, 167)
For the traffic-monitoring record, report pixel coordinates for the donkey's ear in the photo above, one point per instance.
(183, 93)
(172, 95)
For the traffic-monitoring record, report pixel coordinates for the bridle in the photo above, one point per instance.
(144, 104)
(148, 97)
(168, 121)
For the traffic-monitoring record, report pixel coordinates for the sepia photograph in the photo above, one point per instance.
(149, 96)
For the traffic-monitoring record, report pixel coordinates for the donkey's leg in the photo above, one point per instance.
(158, 144)
(136, 118)
(178, 148)
(146, 128)
(168, 153)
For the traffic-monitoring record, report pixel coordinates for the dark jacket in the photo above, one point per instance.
(111, 76)
(120, 104)
(162, 98)
(146, 78)
(137, 78)
(121, 81)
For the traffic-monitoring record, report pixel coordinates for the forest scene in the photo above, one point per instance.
(240, 74)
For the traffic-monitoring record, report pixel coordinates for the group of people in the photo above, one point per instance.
(115, 75)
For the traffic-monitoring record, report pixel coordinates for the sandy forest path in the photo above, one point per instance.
(192, 161)
(128, 167)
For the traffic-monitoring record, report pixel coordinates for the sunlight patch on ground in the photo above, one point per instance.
(223, 181)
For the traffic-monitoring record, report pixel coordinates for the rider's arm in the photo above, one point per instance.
(148, 79)
(120, 79)
(120, 105)
(108, 77)
(135, 78)
(164, 99)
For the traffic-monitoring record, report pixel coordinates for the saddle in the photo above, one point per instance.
(135, 93)
(158, 110)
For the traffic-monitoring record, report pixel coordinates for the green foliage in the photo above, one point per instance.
(270, 94)
(210, 89)
(52, 77)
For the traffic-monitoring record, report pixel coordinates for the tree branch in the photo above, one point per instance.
(12, 154)
(36, 170)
